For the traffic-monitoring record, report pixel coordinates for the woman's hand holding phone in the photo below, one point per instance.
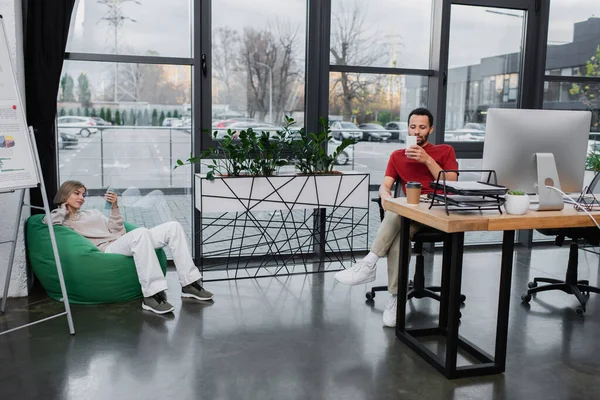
(111, 199)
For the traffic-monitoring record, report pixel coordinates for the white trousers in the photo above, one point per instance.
(141, 242)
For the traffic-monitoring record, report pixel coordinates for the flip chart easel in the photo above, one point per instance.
(20, 170)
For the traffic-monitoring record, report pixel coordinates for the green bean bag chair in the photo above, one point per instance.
(91, 276)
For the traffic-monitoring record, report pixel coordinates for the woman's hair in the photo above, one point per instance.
(66, 190)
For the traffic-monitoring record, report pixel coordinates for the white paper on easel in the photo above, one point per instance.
(17, 168)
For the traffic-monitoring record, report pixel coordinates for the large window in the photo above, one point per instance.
(258, 64)
(381, 33)
(379, 55)
(576, 98)
(131, 27)
(131, 142)
(124, 118)
(573, 35)
(572, 80)
(484, 67)
(131, 64)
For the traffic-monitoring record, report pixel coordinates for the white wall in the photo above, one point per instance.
(13, 23)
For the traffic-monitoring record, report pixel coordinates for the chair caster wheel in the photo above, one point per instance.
(580, 311)
(463, 298)
(370, 296)
(532, 285)
(526, 298)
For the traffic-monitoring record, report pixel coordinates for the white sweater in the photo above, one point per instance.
(93, 225)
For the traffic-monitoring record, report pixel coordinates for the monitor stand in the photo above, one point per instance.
(550, 199)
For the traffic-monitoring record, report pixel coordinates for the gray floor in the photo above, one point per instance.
(304, 337)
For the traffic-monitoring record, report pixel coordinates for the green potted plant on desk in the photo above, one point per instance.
(516, 202)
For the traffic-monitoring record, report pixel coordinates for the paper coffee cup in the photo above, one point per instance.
(413, 192)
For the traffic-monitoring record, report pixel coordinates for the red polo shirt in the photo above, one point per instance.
(407, 170)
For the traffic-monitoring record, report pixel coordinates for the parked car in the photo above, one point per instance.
(173, 122)
(67, 140)
(475, 126)
(100, 122)
(344, 130)
(256, 126)
(83, 126)
(373, 132)
(399, 130)
(224, 123)
(471, 132)
(346, 156)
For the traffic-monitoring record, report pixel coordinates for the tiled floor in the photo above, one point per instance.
(304, 337)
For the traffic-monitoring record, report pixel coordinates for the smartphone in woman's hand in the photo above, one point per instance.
(108, 204)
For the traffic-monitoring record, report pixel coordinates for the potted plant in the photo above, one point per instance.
(322, 211)
(592, 162)
(243, 153)
(242, 173)
(309, 150)
(516, 202)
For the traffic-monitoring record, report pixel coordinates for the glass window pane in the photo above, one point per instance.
(381, 33)
(570, 96)
(488, 74)
(573, 33)
(149, 27)
(574, 96)
(374, 111)
(258, 64)
(130, 144)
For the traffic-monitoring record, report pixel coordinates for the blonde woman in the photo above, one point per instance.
(108, 234)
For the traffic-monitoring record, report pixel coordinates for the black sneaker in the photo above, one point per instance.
(157, 304)
(195, 291)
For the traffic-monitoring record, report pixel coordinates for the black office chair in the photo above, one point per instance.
(416, 287)
(571, 285)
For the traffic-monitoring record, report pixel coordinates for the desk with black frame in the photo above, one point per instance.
(455, 225)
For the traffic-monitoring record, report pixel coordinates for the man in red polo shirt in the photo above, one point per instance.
(420, 163)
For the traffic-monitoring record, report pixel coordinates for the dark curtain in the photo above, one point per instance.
(46, 30)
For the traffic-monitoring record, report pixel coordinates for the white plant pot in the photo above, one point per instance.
(516, 204)
(283, 192)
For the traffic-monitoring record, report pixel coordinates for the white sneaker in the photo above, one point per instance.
(389, 314)
(361, 272)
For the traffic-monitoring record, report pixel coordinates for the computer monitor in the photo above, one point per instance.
(532, 149)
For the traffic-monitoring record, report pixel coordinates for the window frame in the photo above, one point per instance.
(318, 69)
(534, 58)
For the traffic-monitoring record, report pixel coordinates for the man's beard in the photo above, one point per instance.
(423, 139)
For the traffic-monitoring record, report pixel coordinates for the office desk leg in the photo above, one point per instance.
(445, 283)
(448, 325)
(457, 241)
(508, 248)
(403, 275)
